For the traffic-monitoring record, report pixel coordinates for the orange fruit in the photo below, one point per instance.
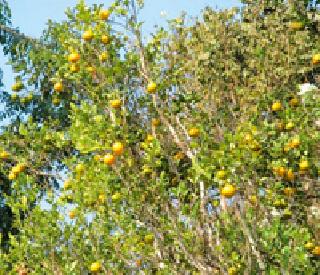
(103, 56)
(72, 214)
(155, 122)
(105, 39)
(316, 59)
(221, 174)
(79, 168)
(116, 196)
(117, 148)
(309, 245)
(276, 106)
(152, 87)
(194, 132)
(58, 87)
(253, 199)
(4, 155)
(18, 168)
(316, 251)
(179, 156)
(232, 271)
(149, 138)
(18, 86)
(109, 159)
(289, 191)
(295, 143)
(115, 103)
(104, 14)
(248, 138)
(304, 165)
(95, 267)
(289, 125)
(90, 69)
(67, 184)
(87, 35)
(74, 57)
(228, 191)
(290, 175)
(12, 176)
(74, 68)
(280, 171)
(296, 25)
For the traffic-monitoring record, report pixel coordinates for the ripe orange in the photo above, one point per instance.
(316, 251)
(4, 155)
(115, 103)
(67, 184)
(18, 168)
(289, 191)
(152, 87)
(248, 138)
(109, 159)
(276, 106)
(103, 56)
(79, 168)
(232, 271)
(87, 35)
(104, 14)
(95, 267)
(290, 175)
(179, 156)
(12, 176)
(294, 143)
(316, 59)
(74, 57)
(221, 174)
(289, 125)
(90, 69)
(116, 197)
(105, 39)
(149, 138)
(18, 86)
(304, 165)
(72, 214)
(194, 132)
(280, 171)
(102, 198)
(309, 245)
(253, 199)
(117, 148)
(228, 191)
(155, 122)
(296, 25)
(58, 87)
(74, 68)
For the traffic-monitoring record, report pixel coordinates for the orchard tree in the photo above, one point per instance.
(196, 152)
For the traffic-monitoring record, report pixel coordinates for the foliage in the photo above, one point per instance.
(219, 170)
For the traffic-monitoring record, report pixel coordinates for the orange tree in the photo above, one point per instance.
(192, 153)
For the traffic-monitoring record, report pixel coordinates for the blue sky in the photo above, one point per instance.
(31, 16)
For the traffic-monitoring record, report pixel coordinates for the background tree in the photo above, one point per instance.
(192, 153)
